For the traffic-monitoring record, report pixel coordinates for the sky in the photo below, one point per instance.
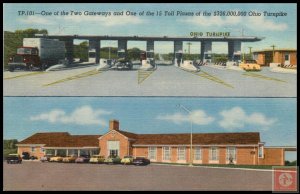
(279, 31)
(274, 118)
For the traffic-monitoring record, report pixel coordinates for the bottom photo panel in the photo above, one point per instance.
(149, 143)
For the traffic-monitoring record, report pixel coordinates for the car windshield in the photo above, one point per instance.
(24, 51)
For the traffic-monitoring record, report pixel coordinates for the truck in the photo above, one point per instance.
(37, 54)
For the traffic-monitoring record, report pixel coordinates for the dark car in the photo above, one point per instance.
(123, 63)
(141, 161)
(25, 156)
(14, 159)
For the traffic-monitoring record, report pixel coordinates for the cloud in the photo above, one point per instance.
(37, 20)
(262, 24)
(237, 118)
(256, 23)
(84, 115)
(198, 117)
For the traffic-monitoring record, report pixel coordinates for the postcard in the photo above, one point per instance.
(150, 96)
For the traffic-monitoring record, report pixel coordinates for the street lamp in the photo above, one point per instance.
(191, 148)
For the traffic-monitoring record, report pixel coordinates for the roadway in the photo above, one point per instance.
(95, 177)
(166, 80)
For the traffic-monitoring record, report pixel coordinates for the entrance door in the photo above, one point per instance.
(286, 59)
(113, 148)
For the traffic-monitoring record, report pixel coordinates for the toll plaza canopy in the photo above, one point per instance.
(234, 44)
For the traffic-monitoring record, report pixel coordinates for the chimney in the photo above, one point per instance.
(114, 125)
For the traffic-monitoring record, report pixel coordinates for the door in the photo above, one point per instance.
(286, 59)
(113, 148)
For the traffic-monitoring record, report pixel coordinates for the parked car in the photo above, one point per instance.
(14, 159)
(25, 155)
(141, 161)
(127, 160)
(69, 159)
(83, 159)
(56, 159)
(46, 158)
(112, 160)
(250, 65)
(33, 158)
(97, 159)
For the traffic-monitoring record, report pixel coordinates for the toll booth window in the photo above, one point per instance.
(207, 56)
(92, 54)
(150, 55)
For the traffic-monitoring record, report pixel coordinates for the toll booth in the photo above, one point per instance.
(121, 54)
(207, 57)
(178, 58)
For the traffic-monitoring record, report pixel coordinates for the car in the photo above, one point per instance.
(112, 160)
(25, 155)
(141, 161)
(250, 65)
(56, 159)
(33, 158)
(46, 158)
(83, 159)
(14, 159)
(97, 159)
(127, 160)
(123, 63)
(69, 159)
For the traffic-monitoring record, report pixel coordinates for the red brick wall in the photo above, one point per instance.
(293, 58)
(272, 156)
(38, 153)
(124, 143)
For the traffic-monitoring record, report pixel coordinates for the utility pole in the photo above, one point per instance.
(273, 46)
(250, 51)
(189, 44)
(191, 135)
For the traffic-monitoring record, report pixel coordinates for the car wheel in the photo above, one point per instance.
(11, 68)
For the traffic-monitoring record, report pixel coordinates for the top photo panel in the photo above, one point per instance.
(198, 50)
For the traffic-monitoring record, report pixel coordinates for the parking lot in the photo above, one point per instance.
(65, 176)
(166, 80)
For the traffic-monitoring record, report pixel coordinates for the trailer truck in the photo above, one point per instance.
(37, 54)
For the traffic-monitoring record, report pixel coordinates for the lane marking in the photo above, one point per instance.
(255, 75)
(142, 75)
(25, 75)
(212, 78)
(78, 76)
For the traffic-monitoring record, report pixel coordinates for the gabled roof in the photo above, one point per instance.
(62, 139)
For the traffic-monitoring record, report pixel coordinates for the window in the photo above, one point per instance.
(32, 149)
(181, 153)
(213, 155)
(260, 151)
(197, 153)
(166, 153)
(42, 150)
(231, 153)
(152, 153)
(286, 57)
(113, 148)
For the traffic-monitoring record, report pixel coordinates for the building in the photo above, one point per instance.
(285, 57)
(208, 148)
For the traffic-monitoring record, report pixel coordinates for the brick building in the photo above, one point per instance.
(285, 57)
(208, 148)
